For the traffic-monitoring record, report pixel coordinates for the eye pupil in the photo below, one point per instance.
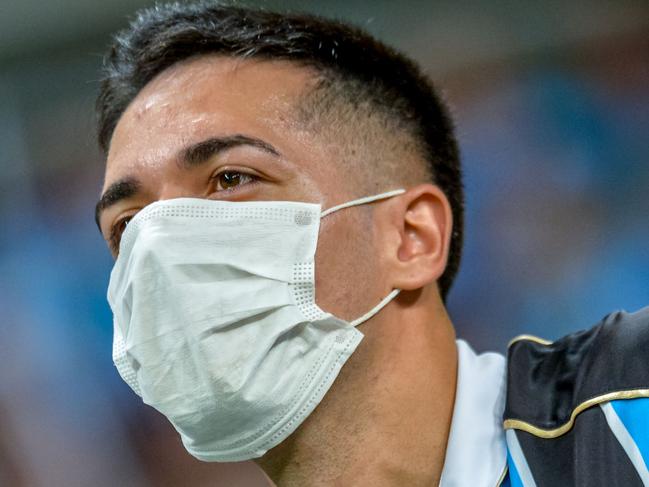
(229, 179)
(116, 233)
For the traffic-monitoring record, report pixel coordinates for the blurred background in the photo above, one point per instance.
(551, 101)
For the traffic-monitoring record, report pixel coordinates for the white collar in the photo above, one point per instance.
(476, 453)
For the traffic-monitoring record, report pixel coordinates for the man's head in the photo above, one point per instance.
(231, 103)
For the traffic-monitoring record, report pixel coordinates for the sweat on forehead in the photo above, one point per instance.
(365, 140)
(199, 86)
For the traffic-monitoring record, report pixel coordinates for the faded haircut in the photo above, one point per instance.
(357, 75)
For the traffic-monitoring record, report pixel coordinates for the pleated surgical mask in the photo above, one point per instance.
(216, 324)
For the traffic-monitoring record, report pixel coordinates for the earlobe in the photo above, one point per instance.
(425, 230)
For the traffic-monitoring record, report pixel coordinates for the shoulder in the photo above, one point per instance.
(548, 380)
(621, 331)
(580, 404)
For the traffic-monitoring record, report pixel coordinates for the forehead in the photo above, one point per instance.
(204, 97)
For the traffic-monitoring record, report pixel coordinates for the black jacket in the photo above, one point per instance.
(577, 410)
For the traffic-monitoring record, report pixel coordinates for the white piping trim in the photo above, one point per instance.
(516, 453)
(626, 440)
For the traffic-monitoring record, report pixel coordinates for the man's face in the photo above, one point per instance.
(226, 129)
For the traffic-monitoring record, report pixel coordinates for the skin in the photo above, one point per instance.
(386, 419)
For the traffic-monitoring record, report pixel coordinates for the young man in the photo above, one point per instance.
(283, 198)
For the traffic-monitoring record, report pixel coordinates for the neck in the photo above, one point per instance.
(386, 419)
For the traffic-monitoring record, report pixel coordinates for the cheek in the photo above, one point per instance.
(347, 283)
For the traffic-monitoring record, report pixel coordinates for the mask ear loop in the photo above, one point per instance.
(362, 201)
(376, 309)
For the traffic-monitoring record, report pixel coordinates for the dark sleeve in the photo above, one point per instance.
(555, 393)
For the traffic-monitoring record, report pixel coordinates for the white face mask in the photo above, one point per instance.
(216, 325)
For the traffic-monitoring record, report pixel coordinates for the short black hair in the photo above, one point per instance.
(161, 36)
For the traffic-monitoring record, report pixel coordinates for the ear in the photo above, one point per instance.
(421, 225)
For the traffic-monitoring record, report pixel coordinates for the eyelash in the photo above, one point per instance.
(252, 179)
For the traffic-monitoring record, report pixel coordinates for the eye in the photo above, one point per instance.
(117, 230)
(229, 179)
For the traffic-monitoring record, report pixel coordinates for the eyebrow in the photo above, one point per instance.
(190, 157)
(198, 153)
(122, 189)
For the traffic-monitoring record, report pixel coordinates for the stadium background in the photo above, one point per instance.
(551, 103)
